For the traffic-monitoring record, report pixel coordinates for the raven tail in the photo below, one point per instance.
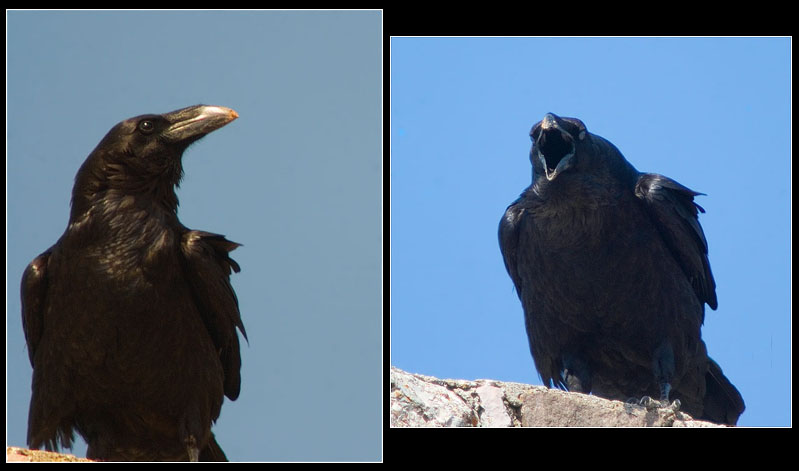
(723, 402)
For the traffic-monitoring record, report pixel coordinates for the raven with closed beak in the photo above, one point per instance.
(130, 318)
(611, 268)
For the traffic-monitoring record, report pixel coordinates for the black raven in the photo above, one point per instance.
(611, 267)
(130, 318)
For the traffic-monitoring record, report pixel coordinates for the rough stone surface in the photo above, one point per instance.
(417, 401)
(23, 454)
(426, 401)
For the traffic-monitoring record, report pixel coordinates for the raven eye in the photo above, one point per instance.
(146, 126)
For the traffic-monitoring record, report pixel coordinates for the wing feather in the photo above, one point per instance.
(208, 267)
(672, 208)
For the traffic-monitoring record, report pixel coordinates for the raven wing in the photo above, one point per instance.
(34, 292)
(671, 206)
(509, 240)
(208, 267)
(510, 231)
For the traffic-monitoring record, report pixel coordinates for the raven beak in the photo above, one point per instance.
(555, 147)
(196, 121)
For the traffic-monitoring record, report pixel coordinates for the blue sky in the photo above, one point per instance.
(297, 180)
(712, 113)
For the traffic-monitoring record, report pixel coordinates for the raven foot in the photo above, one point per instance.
(652, 404)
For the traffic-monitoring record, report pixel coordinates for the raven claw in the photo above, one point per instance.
(652, 404)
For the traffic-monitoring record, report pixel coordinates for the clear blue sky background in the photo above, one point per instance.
(296, 179)
(712, 113)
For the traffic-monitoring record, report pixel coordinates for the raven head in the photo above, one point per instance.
(152, 145)
(555, 143)
(142, 155)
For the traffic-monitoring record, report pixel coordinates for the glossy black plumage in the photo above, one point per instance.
(130, 318)
(611, 267)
